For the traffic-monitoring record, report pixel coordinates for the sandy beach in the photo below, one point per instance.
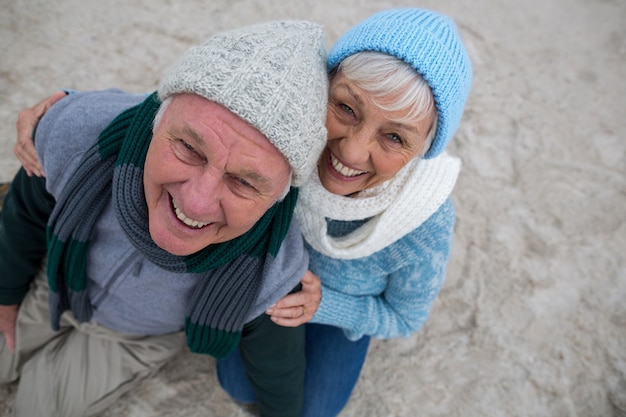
(531, 321)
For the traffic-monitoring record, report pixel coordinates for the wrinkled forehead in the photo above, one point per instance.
(213, 112)
(215, 132)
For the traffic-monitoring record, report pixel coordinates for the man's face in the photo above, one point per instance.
(209, 176)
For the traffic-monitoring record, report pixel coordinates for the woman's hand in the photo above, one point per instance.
(27, 119)
(295, 309)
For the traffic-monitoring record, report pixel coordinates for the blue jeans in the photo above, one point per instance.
(332, 370)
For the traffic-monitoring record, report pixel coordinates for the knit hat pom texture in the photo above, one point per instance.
(431, 44)
(272, 75)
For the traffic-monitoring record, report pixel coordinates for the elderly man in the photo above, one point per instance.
(164, 216)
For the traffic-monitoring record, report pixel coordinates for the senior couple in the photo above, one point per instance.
(179, 217)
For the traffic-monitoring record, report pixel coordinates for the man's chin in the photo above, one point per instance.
(172, 245)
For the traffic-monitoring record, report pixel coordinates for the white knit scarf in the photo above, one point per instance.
(397, 207)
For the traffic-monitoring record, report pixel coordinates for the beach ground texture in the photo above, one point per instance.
(531, 320)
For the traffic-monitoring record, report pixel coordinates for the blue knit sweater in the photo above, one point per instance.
(389, 293)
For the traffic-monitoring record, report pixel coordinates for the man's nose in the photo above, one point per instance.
(202, 194)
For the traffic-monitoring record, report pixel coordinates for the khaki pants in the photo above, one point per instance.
(80, 370)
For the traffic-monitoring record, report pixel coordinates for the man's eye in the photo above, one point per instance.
(245, 183)
(242, 186)
(187, 153)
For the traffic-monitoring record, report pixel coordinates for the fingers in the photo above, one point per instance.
(50, 101)
(298, 308)
(310, 295)
(292, 316)
(27, 120)
(310, 279)
(27, 155)
(293, 300)
(24, 148)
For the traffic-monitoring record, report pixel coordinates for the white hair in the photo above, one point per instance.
(384, 75)
(159, 115)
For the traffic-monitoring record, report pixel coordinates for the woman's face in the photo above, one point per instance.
(366, 146)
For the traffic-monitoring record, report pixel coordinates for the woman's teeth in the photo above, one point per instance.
(189, 222)
(342, 169)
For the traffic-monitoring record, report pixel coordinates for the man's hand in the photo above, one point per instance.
(8, 318)
(27, 119)
(295, 309)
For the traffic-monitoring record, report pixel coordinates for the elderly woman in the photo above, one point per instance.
(377, 220)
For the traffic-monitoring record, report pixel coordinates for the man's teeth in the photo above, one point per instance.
(189, 222)
(342, 169)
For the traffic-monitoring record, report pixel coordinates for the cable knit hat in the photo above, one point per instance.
(273, 75)
(431, 44)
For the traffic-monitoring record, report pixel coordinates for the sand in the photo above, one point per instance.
(531, 320)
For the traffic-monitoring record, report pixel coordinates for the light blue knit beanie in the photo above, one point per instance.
(431, 44)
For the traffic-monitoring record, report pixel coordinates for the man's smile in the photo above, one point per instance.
(183, 218)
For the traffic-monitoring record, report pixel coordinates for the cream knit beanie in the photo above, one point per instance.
(273, 75)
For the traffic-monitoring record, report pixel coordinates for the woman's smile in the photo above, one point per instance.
(343, 170)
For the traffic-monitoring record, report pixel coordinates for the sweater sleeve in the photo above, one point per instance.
(23, 220)
(402, 304)
(274, 359)
(284, 273)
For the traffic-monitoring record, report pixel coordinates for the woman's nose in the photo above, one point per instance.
(356, 144)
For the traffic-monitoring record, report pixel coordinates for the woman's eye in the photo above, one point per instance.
(347, 109)
(395, 138)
